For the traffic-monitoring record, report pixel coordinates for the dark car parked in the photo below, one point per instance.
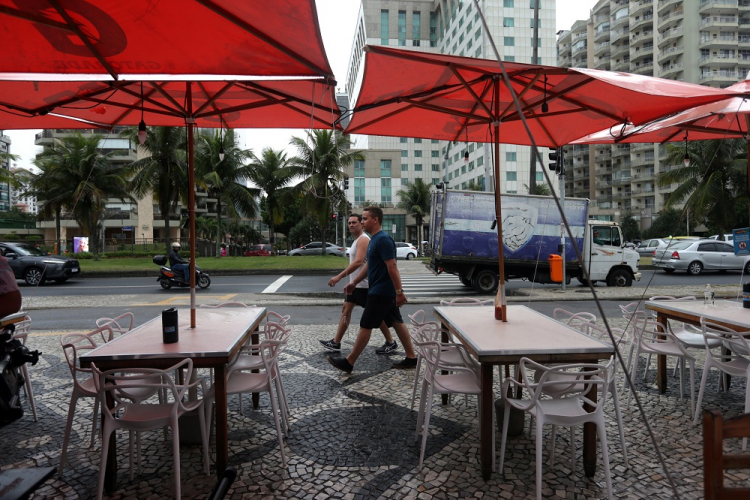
(35, 266)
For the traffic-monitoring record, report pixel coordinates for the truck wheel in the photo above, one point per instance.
(485, 281)
(583, 281)
(619, 277)
(467, 282)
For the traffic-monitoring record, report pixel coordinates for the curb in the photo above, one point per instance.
(216, 272)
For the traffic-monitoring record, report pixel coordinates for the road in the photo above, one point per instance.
(416, 285)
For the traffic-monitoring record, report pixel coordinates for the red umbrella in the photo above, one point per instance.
(200, 61)
(436, 96)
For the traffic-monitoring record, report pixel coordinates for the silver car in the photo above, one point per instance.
(315, 247)
(695, 256)
(646, 248)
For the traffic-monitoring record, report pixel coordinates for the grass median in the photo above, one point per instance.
(209, 264)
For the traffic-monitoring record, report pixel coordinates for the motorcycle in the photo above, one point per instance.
(13, 355)
(168, 278)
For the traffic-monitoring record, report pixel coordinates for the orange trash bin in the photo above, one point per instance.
(555, 268)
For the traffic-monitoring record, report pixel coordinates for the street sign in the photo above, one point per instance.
(741, 241)
(127, 228)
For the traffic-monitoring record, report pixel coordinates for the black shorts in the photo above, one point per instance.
(359, 297)
(380, 308)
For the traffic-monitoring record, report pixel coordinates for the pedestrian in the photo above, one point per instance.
(384, 295)
(357, 254)
(10, 294)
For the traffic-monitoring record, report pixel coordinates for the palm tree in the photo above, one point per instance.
(225, 178)
(415, 199)
(163, 172)
(273, 173)
(712, 183)
(83, 179)
(322, 163)
(52, 195)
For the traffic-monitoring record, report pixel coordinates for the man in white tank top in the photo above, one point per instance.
(357, 254)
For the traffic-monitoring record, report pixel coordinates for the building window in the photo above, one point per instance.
(534, 4)
(478, 33)
(385, 190)
(433, 29)
(404, 182)
(416, 28)
(434, 141)
(511, 191)
(538, 60)
(435, 181)
(455, 157)
(404, 153)
(508, 3)
(455, 173)
(435, 167)
(509, 41)
(450, 176)
(404, 167)
(508, 22)
(463, 185)
(359, 168)
(532, 23)
(510, 156)
(417, 141)
(471, 148)
(435, 154)
(402, 28)
(359, 190)
(403, 140)
(417, 167)
(538, 42)
(385, 169)
(384, 36)
(417, 153)
(471, 166)
(480, 161)
(463, 169)
(509, 58)
(510, 176)
(539, 176)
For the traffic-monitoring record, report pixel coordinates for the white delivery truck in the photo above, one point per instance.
(463, 240)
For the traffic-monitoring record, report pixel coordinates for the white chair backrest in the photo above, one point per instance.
(225, 304)
(24, 325)
(467, 301)
(574, 320)
(622, 338)
(670, 297)
(274, 317)
(418, 318)
(269, 351)
(723, 344)
(121, 324)
(567, 381)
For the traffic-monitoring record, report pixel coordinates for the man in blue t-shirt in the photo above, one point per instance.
(384, 296)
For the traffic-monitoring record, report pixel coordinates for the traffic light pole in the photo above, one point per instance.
(562, 225)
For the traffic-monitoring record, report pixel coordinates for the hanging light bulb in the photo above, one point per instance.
(142, 124)
(686, 158)
(221, 153)
(221, 141)
(545, 106)
(466, 152)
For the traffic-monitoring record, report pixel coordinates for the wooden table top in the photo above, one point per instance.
(724, 312)
(218, 333)
(526, 334)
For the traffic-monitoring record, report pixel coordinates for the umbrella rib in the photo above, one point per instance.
(128, 111)
(375, 120)
(157, 87)
(468, 88)
(441, 91)
(34, 18)
(211, 99)
(262, 36)
(133, 107)
(448, 111)
(261, 90)
(526, 88)
(76, 29)
(51, 106)
(467, 122)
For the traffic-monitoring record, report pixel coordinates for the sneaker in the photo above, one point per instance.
(341, 363)
(387, 348)
(331, 345)
(406, 364)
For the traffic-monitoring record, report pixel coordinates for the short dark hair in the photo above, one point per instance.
(376, 212)
(358, 216)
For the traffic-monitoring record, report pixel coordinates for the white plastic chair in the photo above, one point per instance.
(635, 319)
(690, 336)
(648, 342)
(83, 384)
(121, 324)
(239, 382)
(467, 301)
(131, 412)
(573, 383)
(460, 380)
(577, 320)
(727, 351)
(21, 333)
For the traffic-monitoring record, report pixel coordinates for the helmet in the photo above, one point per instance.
(176, 244)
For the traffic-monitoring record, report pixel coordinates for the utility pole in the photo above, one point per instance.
(534, 59)
(558, 166)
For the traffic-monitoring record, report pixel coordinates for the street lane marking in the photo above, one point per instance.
(273, 287)
(180, 300)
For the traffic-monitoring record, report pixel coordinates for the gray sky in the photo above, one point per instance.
(337, 21)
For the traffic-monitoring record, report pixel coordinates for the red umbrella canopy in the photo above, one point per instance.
(232, 104)
(722, 119)
(129, 39)
(436, 96)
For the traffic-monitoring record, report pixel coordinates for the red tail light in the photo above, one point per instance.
(676, 255)
(654, 254)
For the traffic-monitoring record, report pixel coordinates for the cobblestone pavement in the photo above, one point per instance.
(353, 437)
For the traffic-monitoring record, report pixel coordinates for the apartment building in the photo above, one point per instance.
(698, 41)
(5, 165)
(25, 203)
(448, 27)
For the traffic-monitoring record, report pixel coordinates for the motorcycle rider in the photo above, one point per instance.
(177, 263)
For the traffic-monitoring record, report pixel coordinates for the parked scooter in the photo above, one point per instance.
(13, 355)
(168, 278)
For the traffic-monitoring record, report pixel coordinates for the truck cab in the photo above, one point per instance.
(604, 256)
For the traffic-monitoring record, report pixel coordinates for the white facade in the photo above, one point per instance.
(24, 203)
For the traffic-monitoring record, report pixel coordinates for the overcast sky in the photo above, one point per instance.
(337, 22)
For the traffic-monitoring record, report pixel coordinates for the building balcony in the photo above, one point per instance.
(636, 8)
(721, 78)
(578, 49)
(619, 50)
(641, 147)
(621, 195)
(671, 52)
(663, 5)
(668, 36)
(646, 69)
(671, 71)
(605, 155)
(647, 174)
(638, 53)
(603, 184)
(619, 34)
(669, 19)
(643, 22)
(639, 192)
(601, 48)
(716, 6)
(743, 5)
(620, 23)
(621, 181)
(618, 151)
(601, 36)
(621, 65)
(602, 15)
(719, 60)
(717, 21)
(642, 36)
(717, 42)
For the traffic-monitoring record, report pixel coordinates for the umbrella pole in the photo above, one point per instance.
(501, 305)
(190, 122)
(747, 136)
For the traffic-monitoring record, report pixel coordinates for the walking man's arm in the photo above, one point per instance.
(358, 260)
(396, 279)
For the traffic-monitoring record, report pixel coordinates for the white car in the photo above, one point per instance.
(405, 251)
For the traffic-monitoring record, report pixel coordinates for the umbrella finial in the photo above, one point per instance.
(142, 125)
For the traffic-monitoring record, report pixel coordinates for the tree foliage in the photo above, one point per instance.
(416, 200)
(630, 229)
(670, 222)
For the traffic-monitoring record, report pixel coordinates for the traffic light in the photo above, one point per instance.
(346, 182)
(557, 159)
(333, 216)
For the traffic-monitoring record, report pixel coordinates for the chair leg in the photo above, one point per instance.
(426, 427)
(130, 454)
(692, 387)
(504, 437)
(416, 382)
(704, 379)
(282, 406)
(278, 427)
(605, 456)
(618, 414)
(747, 409)
(682, 381)
(106, 431)
(648, 363)
(539, 426)
(29, 392)
(553, 440)
(204, 437)
(176, 457)
(677, 366)
(66, 436)
(94, 419)
(420, 413)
